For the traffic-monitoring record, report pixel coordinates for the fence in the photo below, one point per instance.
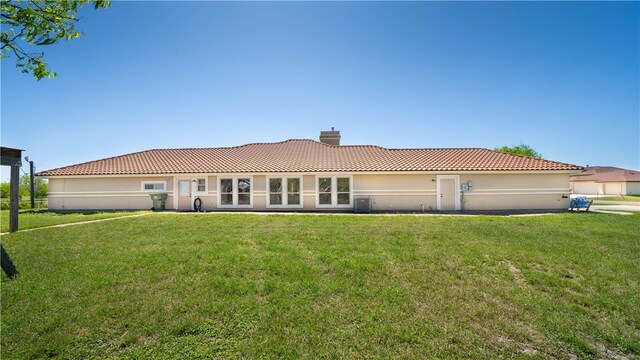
(25, 203)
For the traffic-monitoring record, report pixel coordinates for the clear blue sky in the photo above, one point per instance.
(561, 77)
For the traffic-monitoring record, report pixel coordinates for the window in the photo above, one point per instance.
(244, 191)
(202, 185)
(226, 192)
(284, 192)
(293, 191)
(275, 191)
(324, 191)
(334, 191)
(344, 192)
(153, 185)
(235, 192)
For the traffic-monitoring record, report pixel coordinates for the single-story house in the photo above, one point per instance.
(605, 180)
(307, 175)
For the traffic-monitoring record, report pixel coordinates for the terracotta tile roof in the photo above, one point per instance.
(606, 174)
(304, 156)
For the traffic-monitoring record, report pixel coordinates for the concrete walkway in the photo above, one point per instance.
(613, 202)
(625, 207)
(78, 223)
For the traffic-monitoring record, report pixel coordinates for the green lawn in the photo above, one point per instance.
(28, 219)
(271, 286)
(618, 198)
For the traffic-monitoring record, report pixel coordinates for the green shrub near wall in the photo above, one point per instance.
(25, 204)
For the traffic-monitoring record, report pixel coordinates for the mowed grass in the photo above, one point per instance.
(34, 219)
(228, 286)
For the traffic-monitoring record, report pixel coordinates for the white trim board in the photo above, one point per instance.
(97, 195)
(328, 173)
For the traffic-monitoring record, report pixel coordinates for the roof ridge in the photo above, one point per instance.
(293, 155)
(539, 159)
(440, 148)
(267, 143)
(94, 161)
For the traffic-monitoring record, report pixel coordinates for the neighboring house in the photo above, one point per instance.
(297, 175)
(606, 180)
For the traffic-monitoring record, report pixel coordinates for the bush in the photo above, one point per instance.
(23, 205)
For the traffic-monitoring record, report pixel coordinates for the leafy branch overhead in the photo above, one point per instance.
(32, 23)
(522, 150)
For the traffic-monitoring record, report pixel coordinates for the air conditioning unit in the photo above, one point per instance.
(362, 204)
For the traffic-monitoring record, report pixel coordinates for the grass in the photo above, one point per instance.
(618, 198)
(228, 286)
(28, 219)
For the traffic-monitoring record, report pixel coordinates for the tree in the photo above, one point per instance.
(33, 23)
(42, 187)
(522, 150)
(5, 189)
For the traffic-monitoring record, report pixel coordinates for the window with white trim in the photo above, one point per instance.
(324, 191)
(244, 192)
(201, 185)
(154, 185)
(334, 191)
(226, 191)
(284, 191)
(235, 192)
(343, 191)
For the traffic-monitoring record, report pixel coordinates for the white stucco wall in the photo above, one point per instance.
(388, 192)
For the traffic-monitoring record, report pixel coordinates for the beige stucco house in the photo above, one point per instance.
(307, 175)
(605, 180)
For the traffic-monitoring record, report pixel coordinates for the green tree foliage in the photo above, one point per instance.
(42, 187)
(4, 190)
(522, 150)
(33, 23)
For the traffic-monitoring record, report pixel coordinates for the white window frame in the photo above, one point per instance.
(234, 178)
(164, 184)
(206, 185)
(285, 197)
(334, 191)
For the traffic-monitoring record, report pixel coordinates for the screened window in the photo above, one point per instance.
(226, 192)
(324, 191)
(235, 192)
(334, 191)
(275, 191)
(202, 185)
(153, 186)
(344, 191)
(244, 191)
(293, 191)
(285, 191)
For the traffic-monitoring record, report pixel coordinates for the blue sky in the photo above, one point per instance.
(561, 77)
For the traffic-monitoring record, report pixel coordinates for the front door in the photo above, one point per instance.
(447, 193)
(184, 195)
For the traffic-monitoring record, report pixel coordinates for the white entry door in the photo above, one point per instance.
(447, 192)
(184, 195)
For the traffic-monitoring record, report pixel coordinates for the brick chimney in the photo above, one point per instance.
(330, 137)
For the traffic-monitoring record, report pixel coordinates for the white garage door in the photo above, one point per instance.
(633, 188)
(585, 188)
(612, 188)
